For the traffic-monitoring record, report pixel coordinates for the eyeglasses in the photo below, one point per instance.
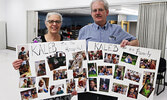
(100, 10)
(52, 21)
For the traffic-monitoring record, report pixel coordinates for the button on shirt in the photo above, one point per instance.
(110, 33)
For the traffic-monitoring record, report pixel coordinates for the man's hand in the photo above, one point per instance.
(124, 43)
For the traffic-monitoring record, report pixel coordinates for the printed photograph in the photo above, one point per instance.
(95, 55)
(23, 52)
(119, 88)
(129, 58)
(104, 70)
(119, 72)
(57, 60)
(29, 94)
(43, 85)
(71, 87)
(65, 97)
(82, 84)
(76, 62)
(146, 90)
(40, 68)
(57, 89)
(147, 63)
(133, 75)
(24, 69)
(92, 84)
(81, 72)
(27, 82)
(60, 74)
(133, 91)
(148, 77)
(92, 68)
(111, 58)
(104, 84)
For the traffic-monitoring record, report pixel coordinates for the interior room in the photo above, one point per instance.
(23, 20)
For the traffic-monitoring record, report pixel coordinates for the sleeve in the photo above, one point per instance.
(81, 34)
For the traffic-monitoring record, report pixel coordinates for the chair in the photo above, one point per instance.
(161, 75)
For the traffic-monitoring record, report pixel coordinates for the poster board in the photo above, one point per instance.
(105, 68)
(128, 73)
(52, 69)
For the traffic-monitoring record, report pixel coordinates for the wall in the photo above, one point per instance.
(2, 10)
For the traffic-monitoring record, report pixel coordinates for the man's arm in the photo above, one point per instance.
(131, 43)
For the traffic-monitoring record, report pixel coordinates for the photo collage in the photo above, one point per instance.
(122, 73)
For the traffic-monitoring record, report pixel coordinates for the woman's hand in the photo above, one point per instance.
(16, 64)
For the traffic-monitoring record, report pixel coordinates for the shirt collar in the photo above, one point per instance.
(98, 27)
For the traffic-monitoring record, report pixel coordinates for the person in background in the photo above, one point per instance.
(53, 23)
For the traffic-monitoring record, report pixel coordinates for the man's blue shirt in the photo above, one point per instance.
(110, 33)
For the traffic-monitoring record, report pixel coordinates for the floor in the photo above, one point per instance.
(9, 78)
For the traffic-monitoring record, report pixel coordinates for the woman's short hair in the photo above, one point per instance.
(54, 13)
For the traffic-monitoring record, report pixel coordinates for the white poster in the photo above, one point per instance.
(128, 73)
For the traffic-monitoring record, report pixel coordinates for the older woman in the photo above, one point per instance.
(53, 23)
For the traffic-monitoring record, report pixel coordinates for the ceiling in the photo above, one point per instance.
(126, 7)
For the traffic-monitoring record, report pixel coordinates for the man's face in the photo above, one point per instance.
(98, 12)
(53, 24)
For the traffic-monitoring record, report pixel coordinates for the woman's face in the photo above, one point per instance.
(53, 24)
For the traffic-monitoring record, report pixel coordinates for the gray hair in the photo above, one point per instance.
(106, 5)
(54, 13)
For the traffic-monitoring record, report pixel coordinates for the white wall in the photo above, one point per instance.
(16, 15)
(2, 10)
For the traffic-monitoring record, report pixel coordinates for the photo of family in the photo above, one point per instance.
(23, 52)
(133, 75)
(71, 86)
(60, 74)
(27, 82)
(146, 90)
(82, 83)
(29, 94)
(40, 68)
(148, 77)
(81, 72)
(43, 85)
(56, 89)
(104, 84)
(92, 68)
(129, 58)
(111, 58)
(147, 63)
(133, 91)
(81, 55)
(92, 84)
(95, 55)
(119, 72)
(104, 70)
(57, 60)
(119, 88)
(24, 69)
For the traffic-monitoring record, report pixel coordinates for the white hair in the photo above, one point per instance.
(106, 5)
(54, 13)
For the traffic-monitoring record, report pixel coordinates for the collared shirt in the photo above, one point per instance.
(110, 33)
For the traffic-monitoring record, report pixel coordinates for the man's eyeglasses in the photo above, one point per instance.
(95, 10)
(52, 21)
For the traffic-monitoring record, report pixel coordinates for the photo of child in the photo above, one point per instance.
(92, 84)
(119, 72)
(111, 58)
(146, 90)
(57, 60)
(56, 89)
(25, 69)
(79, 73)
(119, 88)
(27, 82)
(29, 94)
(43, 85)
(147, 63)
(148, 77)
(95, 55)
(133, 91)
(133, 75)
(40, 68)
(129, 58)
(104, 70)
(71, 86)
(82, 83)
(92, 68)
(104, 84)
(60, 74)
